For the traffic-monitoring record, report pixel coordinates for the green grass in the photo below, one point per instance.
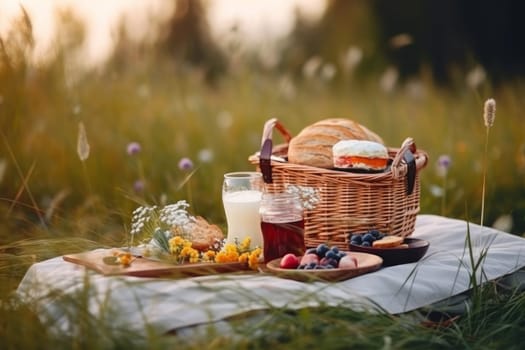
(52, 203)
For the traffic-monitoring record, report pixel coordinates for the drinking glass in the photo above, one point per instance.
(282, 225)
(241, 197)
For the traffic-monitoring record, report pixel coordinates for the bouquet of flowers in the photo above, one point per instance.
(167, 233)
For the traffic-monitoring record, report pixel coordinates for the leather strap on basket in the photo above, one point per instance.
(265, 162)
(406, 153)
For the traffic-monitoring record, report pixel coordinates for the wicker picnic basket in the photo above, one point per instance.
(348, 202)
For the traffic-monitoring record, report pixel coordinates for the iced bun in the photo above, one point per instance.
(360, 154)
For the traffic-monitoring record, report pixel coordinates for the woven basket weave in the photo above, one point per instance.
(348, 202)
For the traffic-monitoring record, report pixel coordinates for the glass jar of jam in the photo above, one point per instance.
(282, 225)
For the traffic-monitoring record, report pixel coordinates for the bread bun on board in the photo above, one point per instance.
(203, 234)
(313, 145)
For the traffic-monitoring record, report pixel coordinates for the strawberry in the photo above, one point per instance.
(289, 261)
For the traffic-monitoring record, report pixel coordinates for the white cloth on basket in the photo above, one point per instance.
(167, 304)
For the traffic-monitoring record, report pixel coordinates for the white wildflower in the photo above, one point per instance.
(389, 79)
(309, 196)
(175, 214)
(224, 120)
(311, 67)
(476, 77)
(328, 71)
(206, 155)
(351, 58)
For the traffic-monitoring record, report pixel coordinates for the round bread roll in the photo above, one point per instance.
(204, 234)
(360, 154)
(313, 145)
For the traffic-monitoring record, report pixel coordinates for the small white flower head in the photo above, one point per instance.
(489, 112)
(476, 77)
(206, 155)
(140, 217)
(351, 58)
(309, 196)
(172, 216)
(224, 120)
(389, 79)
(312, 66)
(175, 214)
(328, 71)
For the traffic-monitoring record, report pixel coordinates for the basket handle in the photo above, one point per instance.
(267, 147)
(406, 153)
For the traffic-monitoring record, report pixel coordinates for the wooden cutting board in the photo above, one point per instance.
(143, 267)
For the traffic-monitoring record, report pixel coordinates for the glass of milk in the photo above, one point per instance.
(241, 197)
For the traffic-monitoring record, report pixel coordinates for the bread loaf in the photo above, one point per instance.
(313, 145)
(204, 234)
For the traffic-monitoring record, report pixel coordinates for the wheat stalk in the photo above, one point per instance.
(489, 114)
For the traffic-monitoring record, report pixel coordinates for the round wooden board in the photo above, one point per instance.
(365, 263)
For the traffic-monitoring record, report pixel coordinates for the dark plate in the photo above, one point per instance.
(417, 248)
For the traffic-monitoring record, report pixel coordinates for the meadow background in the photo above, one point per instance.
(68, 181)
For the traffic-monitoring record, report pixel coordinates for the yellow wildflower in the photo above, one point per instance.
(208, 256)
(227, 255)
(243, 258)
(177, 241)
(253, 259)
(124, 259)
(230, 247)
(245, 245)
(189, 254)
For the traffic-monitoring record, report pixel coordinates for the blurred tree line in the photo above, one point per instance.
(440, 36)
(443, 36)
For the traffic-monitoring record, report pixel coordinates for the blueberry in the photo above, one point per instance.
(356, 239)
(335, 249)
(331, 254)
(301, 267)
(341, 254)
(366, 244)
(331, 262)
(368, 237)
(321, 250)
(375, 233)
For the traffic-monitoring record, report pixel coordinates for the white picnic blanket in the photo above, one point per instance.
(167, 304)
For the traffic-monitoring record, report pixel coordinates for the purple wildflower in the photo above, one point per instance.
(133, 148)
(185, 164)
(139, 186)
(443, 163)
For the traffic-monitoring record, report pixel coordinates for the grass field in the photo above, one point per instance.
(56, 197)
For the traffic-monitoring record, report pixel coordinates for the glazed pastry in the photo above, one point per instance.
(358, 154)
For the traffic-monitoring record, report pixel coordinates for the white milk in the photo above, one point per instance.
(242, 216)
